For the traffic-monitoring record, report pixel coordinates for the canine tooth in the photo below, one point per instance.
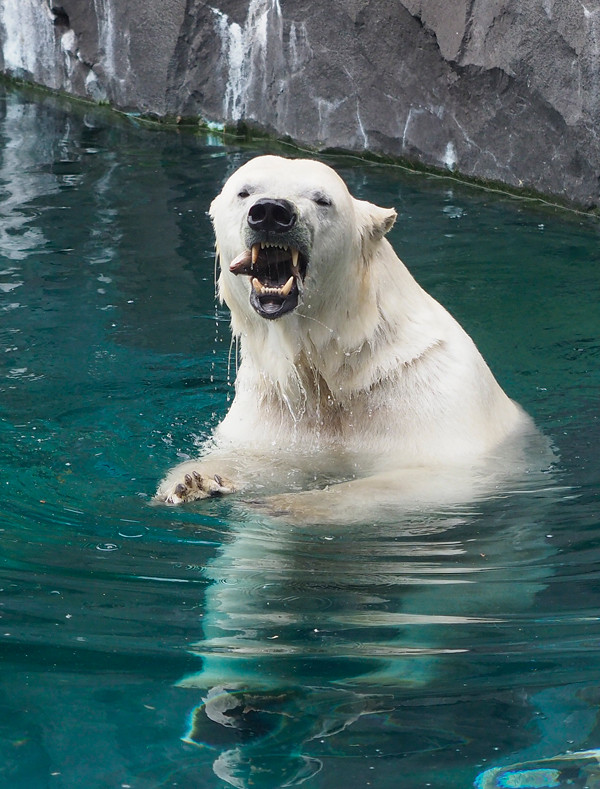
(295, 269)
(256, 285)
(285, 290)
(255, 251)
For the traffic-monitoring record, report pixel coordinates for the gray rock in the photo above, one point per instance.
(502, 90)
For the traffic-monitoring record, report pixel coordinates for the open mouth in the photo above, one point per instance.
(276, 274)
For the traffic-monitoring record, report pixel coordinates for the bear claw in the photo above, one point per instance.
(195, 487)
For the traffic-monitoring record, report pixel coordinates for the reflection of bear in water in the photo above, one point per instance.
(345, 642)
(350, 373)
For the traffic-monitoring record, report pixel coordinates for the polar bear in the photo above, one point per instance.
(355, 387)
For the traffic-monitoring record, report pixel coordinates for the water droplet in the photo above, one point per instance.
(107, 546)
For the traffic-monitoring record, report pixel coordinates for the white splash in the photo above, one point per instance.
(250, 52)
(294, 47)
(450, 158)
(34, 48)
(29, 46)
(588, 62)
(113, 48)
(106, 33)
(361, 129)
(413, 114)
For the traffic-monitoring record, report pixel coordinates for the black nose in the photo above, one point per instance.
(272, 215)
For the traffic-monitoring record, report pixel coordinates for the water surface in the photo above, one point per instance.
(148, 646)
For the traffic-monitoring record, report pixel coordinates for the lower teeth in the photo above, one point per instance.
(263, 290)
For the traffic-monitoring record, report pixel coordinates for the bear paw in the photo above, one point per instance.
(194, 487)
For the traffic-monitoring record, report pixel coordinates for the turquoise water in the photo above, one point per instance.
(439, 650)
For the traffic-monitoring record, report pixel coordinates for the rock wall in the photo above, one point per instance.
(503, 90)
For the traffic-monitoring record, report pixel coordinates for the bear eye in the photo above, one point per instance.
(322, 200)
(243, 193)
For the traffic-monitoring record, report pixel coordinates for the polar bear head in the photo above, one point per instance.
(291, 237)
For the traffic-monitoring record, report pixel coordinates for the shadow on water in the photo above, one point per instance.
(152, 647)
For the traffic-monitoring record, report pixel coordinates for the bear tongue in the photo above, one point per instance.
(242, 263)
(271, 306)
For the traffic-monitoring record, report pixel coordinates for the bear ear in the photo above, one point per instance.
(374, 222)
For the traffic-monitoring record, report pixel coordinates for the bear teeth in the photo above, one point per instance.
(255, 251)
(285, 290)
(263, 290)
(295, 269)
(270, 245)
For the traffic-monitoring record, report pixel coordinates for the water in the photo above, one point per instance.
(423, 652)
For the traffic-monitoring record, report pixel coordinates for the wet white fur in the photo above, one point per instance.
(368, 367)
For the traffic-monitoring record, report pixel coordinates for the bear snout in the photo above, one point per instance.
(268, 215)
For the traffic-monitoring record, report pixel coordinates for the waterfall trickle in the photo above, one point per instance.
(29, 46)
(253, 54)
(39, 44)
(113, 46)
